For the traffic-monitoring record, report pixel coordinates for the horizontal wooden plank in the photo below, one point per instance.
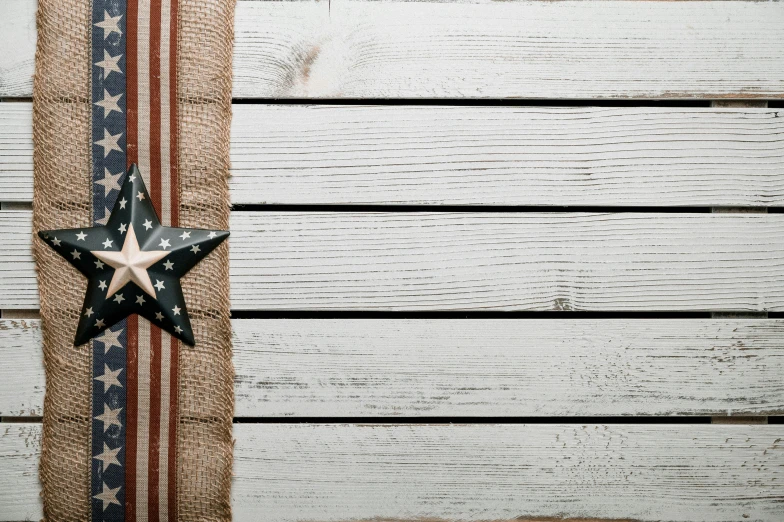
(506, 261)
(20, 449)
(17, 40)
(613, 156)
(320, 473)
(481, 49)
(473, 367)
(16, 152)
(479, 261)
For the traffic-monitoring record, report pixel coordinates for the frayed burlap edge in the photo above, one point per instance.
(62, 199)
(206, 396)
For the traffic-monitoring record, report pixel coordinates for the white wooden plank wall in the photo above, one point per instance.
(479, 261)
(454, 155)
(334, 472)
(481, 49)
(473, 367)
(637, 270)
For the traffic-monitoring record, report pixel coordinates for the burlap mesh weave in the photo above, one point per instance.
(62, 199)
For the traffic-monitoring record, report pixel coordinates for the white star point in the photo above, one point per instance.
(109, 417)
(110, 181)
(109, 457)
(109, 142)
(110, 339)
(109, 378)
(109, 64)
(109, 25)
(108, 496)
(109, 103)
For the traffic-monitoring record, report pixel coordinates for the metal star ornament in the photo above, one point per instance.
(133, 264)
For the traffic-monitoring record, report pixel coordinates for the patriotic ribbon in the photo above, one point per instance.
(137, 425)
(135, 370)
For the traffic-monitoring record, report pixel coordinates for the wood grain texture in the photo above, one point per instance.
(473, 367)
(321, 473)
(22, 380)
(17, 41)
(20, 449)
(506, 261)
(16, 152)
(481, 49)
(431, 155)
(479, 261)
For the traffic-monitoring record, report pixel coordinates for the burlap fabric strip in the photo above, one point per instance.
(63, 140)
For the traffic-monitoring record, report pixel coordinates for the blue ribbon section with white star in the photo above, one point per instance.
(109, 349)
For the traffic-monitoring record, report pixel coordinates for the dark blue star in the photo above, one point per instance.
(117, 289)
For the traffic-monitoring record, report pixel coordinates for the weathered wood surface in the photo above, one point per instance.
(612, 156)
(17, 42)
(506, 261)
(473, 367)
(481, 49)
(20, 448)
(479, 261)
(16, 151)
(294, 472)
